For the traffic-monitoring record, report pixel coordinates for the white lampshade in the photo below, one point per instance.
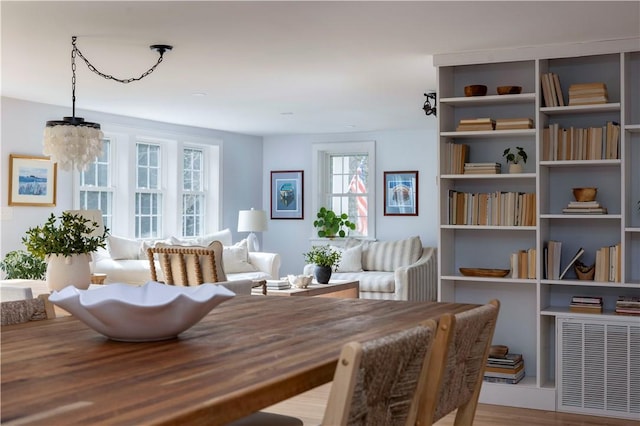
(252, 221)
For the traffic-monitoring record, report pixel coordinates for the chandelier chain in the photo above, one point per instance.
(110, 77)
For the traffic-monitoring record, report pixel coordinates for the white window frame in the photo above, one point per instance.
(203, 190)
(107, 217)
(320, 186)
(158, 191)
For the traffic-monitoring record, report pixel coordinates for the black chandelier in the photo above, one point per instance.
(73, 141)
(427, 107)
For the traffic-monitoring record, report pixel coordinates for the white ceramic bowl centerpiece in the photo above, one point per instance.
(146, 313)
(300, 281)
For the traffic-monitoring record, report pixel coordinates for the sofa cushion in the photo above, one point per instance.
(370, 281)
(390, 255)
(235, 258)
(351, 260)
(223, 236)
(123, 248)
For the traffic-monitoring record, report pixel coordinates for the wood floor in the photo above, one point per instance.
(309, 407)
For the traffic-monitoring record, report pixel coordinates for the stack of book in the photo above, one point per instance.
(551, 90)
(628, 305)
(481, 168)
(584, 207)
(586, 304)
(514, 123)
(278, 284)
(509, 369)
(608, 264)
(575, 143)
(455, 156)
(474, 124)
(588, 94)
(523, 264)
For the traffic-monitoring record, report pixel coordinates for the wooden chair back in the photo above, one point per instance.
(21, 311)
(185, 266)
(375, 382)
(454, 375)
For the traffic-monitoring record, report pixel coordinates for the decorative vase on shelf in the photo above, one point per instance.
(515, 168)
(322, 274)
(63, 271)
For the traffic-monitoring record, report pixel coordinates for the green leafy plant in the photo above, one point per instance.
(19, 264)
(515, 158)
(72, 235)
(331, 225)
(323, 256)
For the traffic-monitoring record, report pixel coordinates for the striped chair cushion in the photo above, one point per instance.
(390, 255)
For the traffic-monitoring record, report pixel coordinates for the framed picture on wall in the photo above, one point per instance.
(287, 194)
(32, 181)
(401, 193)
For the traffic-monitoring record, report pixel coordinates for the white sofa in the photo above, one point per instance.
(125, 260)
(391, 270)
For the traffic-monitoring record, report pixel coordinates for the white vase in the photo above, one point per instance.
(63, 271)
(515, 168)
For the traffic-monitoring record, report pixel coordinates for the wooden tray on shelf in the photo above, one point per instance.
(484, 272)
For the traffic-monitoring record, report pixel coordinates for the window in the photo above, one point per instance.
(96, 191)
(148, 202)
(193, 195)
(344, 183)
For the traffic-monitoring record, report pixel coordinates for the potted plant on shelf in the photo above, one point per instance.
(515, 159)
(331, 225)
(19, 264)
(66, 247)
(325, 258)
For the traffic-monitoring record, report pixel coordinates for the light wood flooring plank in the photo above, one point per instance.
(309, 407)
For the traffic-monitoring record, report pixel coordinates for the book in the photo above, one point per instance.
(509, 359)
(505, 369)
(585, 309)
(278, 284)
(519, 375)
(587, 299)
(575, 257)
(502, 380)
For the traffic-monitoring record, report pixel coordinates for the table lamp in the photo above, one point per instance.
(252, 221)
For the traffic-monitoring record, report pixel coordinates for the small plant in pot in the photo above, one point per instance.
(515, 159)
(331, 225)
(66, 246)
(326, 259)
(19, 264)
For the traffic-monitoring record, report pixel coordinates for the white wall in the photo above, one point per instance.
(22, 127)
(395, 151)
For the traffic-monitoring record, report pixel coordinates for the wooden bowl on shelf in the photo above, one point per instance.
(509, 90)
(475, 90)
(583, 272)
(585, 194)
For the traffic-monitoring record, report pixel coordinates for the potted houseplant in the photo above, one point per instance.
(325, 258)
(515, 159)
(66, 246)
(331, 225)
(19, 264)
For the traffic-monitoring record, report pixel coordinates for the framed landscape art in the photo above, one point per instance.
(32, 181)
(401, 193)
(287, 194)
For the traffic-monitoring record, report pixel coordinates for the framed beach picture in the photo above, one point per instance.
(287, 194)
(401, 193)
(32, 181)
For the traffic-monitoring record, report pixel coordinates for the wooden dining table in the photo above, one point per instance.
(246, 354)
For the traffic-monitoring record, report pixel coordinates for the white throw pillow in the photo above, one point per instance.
(149, 244)
(223, 236)
(351, 260)
(123, 248)
(236, 258)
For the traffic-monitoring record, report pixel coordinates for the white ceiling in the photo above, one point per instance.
(271, 68)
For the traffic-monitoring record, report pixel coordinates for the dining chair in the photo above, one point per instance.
(454, 375)
(20, 311)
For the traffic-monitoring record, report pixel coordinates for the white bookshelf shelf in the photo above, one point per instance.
(581, 109)
(485, 134)
(522, 98)
(509, 176)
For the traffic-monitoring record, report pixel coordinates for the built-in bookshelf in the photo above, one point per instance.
(610, 131)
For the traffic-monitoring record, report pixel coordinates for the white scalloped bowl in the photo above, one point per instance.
(144, 313)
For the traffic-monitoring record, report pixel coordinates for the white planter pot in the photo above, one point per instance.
(515, 168)
(63, 271)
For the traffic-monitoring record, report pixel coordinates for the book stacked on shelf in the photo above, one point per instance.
(475, 124)
(628, 305)
(588, 94)
(584, 207)
(551, 260)
(592, 143)
(455, 156)
(514, 123)
(608, 264)
(278, 284)
(492, 209)
(551, 90)
(481, 168)
(523, 264)
(508, 369)
(586, 304)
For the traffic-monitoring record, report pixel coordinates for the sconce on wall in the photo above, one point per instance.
(73, 141)
(427, 107)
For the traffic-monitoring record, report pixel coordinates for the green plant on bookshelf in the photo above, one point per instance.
(515, 157)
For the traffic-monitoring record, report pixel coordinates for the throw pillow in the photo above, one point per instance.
(351, 260)
(390, 255)
(123, 248)
(207, 273)
(236, 258)
(223, 236)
